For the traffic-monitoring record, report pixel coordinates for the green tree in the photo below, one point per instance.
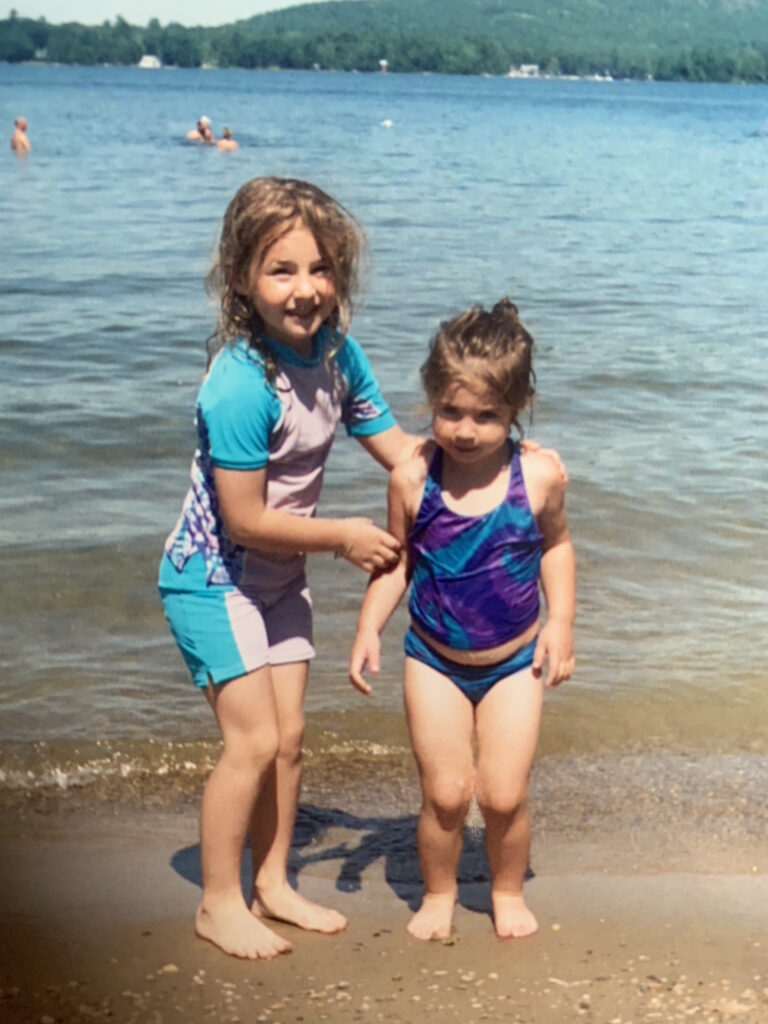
(16, 43)
(71, 44)
(152, 36)
(228, 49)
(179, 47)
(752, 67)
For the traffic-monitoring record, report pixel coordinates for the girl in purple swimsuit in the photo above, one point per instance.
(482, 522)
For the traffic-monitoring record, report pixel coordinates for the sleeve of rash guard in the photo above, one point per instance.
(240, 411)
(364, 411)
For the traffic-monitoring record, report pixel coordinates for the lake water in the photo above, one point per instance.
(630, 223)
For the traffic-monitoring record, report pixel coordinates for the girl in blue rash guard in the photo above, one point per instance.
(283, 376)
(482, 523)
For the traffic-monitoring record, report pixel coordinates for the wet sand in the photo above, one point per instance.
(97, 909)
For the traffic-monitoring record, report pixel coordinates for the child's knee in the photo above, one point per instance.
(291, 741)
(450, 798)
(502, 797)
(255, 750)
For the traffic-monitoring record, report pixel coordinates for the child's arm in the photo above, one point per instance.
(558, 569)
(248, 521)
(387, 587)
(392, 446)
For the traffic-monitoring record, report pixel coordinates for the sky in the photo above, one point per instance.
(138, 12)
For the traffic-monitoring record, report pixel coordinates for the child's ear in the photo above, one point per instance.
(239, 284)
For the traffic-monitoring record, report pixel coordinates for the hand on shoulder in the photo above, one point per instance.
(529, 447)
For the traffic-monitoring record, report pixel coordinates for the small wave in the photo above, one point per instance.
(62, 766)
(365, 747)
(162, 770)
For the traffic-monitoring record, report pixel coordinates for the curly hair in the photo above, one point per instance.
(492, 346)
(261, 212)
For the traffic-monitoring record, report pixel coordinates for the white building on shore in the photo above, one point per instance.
(524, 71)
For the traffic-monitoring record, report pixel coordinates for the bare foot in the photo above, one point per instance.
(285, 904)
(511, 918)
(434, 919)
(229, 925)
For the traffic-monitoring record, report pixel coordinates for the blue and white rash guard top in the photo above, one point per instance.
(246, 422)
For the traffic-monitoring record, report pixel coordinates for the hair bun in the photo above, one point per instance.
(505, 307)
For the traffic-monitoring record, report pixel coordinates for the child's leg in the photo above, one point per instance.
(441, 721)
(247, 716)
(275, 814)
(508, 720)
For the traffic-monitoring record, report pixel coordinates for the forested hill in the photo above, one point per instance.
(576, 25)
(691, 40)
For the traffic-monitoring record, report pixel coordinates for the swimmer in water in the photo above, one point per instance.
(20, 143)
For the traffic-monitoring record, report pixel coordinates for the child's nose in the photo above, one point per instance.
(305, 286)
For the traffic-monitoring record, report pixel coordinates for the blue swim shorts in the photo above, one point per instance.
(473, 681)
(224, 632)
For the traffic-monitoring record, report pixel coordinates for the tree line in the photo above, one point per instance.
(241, 46)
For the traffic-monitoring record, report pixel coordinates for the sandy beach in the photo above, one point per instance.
(97, 909)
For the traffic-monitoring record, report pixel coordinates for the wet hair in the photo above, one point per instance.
(490, 346)
(261, 212)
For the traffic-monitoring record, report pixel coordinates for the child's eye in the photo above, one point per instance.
(322, 269)
(487, 416)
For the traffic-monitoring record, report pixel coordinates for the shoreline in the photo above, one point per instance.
(656, 811)
(98, 925)
(514, 74)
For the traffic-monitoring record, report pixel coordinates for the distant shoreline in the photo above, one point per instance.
(629, 39)
(273, 69)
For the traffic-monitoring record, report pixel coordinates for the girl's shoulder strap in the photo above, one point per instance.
(515, 464)
(435, 474)
(431, 496)
(426, 498)
(517, 494)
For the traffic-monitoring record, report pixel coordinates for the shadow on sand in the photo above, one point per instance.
(316, 840)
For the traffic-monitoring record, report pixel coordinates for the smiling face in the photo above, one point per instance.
(469, 422)
(292, 289)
